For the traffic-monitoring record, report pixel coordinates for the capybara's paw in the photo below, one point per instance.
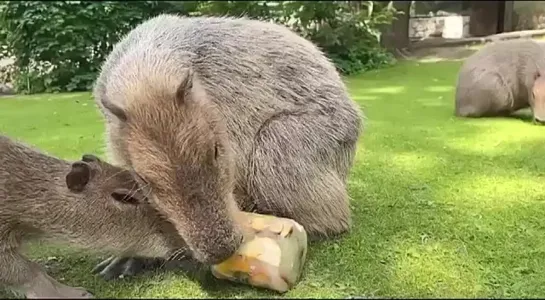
(119, 267)
(59, 293)
(77, 292)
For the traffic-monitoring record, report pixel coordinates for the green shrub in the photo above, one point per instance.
(59, 46)
(347, 31)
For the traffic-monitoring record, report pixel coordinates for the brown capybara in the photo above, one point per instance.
(498, 79)
(221, 114)
(87, 203)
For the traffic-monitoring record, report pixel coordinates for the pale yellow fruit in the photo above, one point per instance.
(272, 256)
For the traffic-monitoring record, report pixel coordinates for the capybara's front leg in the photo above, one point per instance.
(124, 266)
(28, 279)
(115, 267)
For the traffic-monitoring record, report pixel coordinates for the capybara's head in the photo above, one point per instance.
(538, 99)
(112, 213)
(177, 145)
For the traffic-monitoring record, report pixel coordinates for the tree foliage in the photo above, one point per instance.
(59, 46)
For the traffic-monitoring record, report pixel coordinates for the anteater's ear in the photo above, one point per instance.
(183, 92)
(89, 158)
(114, 109)
(78, 177)
(126, 196)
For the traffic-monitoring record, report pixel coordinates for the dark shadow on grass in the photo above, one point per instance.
(524, 115)
(213, 287)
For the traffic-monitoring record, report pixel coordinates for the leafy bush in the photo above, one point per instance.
(346, 30)
(59, 46)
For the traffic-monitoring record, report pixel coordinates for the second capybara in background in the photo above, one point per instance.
(219, 114)
(498, 80)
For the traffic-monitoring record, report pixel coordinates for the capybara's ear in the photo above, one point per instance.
(126, 196)
(184, 89)
(78, 177)
(89, 158)
(114, 109)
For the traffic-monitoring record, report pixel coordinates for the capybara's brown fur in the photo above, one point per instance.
(88, 203)
(498, 79)
(222, 114)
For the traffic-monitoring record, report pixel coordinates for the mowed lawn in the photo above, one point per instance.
(443, 207)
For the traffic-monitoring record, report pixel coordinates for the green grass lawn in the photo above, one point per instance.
(443, 207)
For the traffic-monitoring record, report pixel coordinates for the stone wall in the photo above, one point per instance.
(6, 86)
(452, 26)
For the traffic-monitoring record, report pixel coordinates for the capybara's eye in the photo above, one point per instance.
(216, 151)
(124, 198)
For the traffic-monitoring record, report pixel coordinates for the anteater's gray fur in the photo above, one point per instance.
(498, 79)
(291, 126)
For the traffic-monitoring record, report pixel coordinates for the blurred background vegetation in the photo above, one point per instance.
(59, 46)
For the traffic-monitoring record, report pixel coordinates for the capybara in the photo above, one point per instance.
(498, 79)
(217, 114)
(87, 203)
